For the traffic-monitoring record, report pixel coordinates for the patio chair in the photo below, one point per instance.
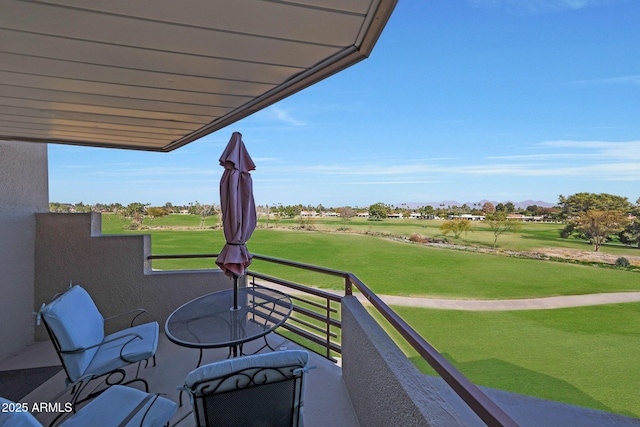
(119, 406)
(259, 390)
(76, 328)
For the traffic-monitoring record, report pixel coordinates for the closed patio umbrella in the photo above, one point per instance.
(238, 210)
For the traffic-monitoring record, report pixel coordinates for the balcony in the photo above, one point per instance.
(362, 377)
(71, 79)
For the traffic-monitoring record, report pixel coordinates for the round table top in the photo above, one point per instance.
(210, 321)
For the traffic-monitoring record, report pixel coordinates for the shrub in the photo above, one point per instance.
(418, 238)
(623, 262)
(134, 225)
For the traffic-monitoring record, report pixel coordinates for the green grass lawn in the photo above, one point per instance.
(532, 235)
(115, 224)
(584, 356)
(396, 268)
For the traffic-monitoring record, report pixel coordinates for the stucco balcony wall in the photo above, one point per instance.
(70, 248)
(23, 191)
(385, 387)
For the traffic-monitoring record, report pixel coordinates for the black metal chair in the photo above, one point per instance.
(76, 328)
(259, 390)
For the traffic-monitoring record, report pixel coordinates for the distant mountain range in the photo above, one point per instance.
(445, 203)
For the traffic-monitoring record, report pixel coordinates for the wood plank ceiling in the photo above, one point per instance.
(157, 74)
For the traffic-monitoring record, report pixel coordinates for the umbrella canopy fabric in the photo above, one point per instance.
(238, 207)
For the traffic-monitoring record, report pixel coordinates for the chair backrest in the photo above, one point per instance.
(261, 390)
(74, 322)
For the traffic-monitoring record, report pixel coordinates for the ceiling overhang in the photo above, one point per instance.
(156, 75)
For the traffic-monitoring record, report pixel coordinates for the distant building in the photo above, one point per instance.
(468, 217)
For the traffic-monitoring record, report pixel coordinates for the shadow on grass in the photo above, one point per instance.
(501, 375)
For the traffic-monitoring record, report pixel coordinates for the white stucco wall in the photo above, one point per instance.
(24, 191)
(112, 268)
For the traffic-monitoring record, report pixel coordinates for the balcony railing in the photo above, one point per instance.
(315, 317)
(316, 320)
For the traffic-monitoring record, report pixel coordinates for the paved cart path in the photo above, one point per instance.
(497, 305)
(514, 304)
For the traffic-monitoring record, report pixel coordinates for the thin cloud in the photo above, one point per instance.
(580, 150)
(370, 169)
(605, 171)
(623, 150)
(284, 115)
(543, 156)
(423, 174)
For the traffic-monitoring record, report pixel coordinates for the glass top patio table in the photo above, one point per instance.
(210, 321)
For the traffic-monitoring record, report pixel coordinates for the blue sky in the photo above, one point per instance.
(505, 100)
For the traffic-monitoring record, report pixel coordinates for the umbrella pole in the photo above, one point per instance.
(235, 292)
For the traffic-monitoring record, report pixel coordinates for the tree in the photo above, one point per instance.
(597, 226)
(427, 211)
(509, 207)
(488, 207)
(291, 211)
(593, 216)
(204, 211)
(135, 211)
(378, 211)
(81, 208)
(533, 210)
(499, 224)
(277, 213)
(59, 207)
(218, 212)
(346, 213)
(456, 226)
(116, 207)
(156, 212)
(630, 234)
(549, 212)
(578, 203)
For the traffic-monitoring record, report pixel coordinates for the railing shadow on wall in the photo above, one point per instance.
(316, 321)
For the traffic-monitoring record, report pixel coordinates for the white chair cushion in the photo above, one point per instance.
(76, 322)
(13, 418)
(293, 359)
(116, 403)
(108, 356)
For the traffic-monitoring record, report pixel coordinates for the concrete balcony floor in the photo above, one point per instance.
(324, 388)
(327, 402)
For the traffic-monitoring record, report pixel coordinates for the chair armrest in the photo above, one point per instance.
(140, 312)
(80, 350)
